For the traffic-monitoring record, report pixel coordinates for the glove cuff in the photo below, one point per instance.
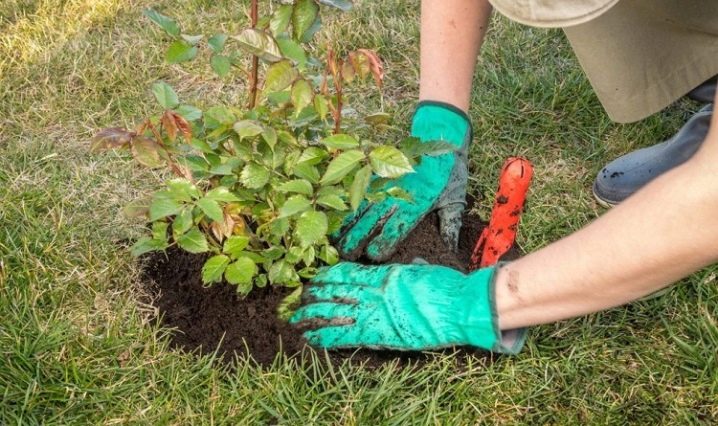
(433, 121)
(507, 341)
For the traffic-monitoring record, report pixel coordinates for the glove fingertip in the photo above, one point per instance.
(450, 222)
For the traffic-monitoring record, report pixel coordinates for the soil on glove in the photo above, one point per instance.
(205, 319)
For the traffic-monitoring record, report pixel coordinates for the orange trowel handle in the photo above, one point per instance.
(498, 237)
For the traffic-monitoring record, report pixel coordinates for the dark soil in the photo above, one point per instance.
(426, 243)
(207, 318)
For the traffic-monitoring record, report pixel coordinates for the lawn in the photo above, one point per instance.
(77, 347)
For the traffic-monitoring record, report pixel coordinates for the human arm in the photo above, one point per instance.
(452, 33)
(662, 233)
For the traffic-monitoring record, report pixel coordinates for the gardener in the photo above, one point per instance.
(640, 56)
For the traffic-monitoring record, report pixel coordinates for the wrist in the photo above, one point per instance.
(435, 120)
(484, 281)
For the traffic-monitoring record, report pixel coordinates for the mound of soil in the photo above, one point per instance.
(207, 318)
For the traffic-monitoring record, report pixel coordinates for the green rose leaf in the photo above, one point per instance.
(182, 223)
(211, 208)
(321, 105)
(241, 271)
(162, 207)
(294, 204)
(279, 227)
(279, 76)
(332, 201)
(294, 255)
(389, 162)
(166, 23)
(311, 227)
(234, 245)
(193, 241)
(329, 255)
(309, 256)
(304, 15)
(248, 128)
(299, 186)
(313, 29)
(306, 171)
(259, 43)
(216, 42)
(341, 166)
(292, 50)
(213, 269)
(165, 95)
(279, 23)
(217, 116)
(312, 156)
(146, 245)
(189, 112)
(254, 176)
(270, 136)
(274, 253)
(340, 141)
(182, 190)
(180, 51)
(359, 186)
(220, 64)
(332, 190)
(159, 231)
(302, 95)
(282, 272)
(377, 118)
(221, 194)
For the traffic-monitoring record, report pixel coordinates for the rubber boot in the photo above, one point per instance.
(705, 93)
(627, 174)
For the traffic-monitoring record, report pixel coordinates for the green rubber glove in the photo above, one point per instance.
(403, 307)
(438, 183)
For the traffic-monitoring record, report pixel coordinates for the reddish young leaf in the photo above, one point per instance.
(332, 63)
(112, 137)
(169, 125)
(375, 64)
(183, 126)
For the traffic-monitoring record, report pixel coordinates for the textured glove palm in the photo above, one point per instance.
(439, 182)
(403, 307)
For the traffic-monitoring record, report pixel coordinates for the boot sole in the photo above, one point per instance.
(602, 201)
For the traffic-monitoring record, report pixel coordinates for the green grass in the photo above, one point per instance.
(77, 347)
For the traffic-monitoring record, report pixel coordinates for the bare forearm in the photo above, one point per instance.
(452, 32)
(663, 233)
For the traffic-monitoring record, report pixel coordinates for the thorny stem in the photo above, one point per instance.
(338, 113)
(254, 78)
(336, 68)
